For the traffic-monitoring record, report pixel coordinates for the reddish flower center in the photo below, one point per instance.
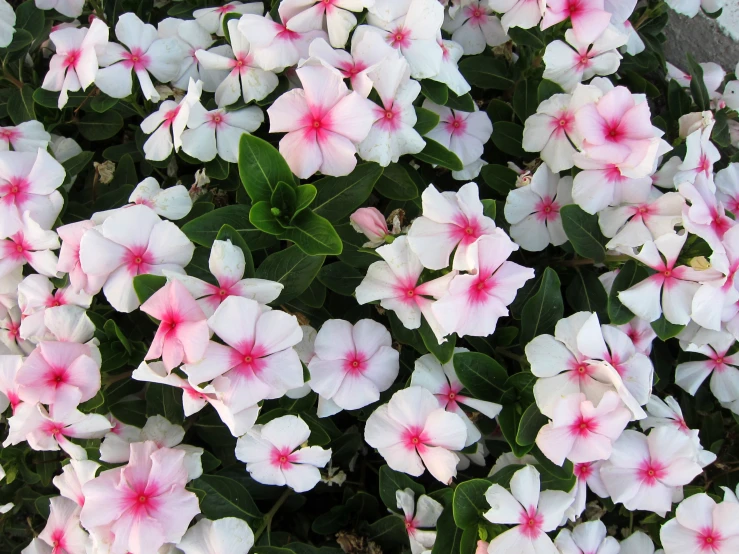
(399, 38)
(136, 59)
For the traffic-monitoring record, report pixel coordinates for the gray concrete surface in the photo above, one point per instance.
(702, 37)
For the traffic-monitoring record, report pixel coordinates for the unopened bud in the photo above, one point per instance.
(700, 263)
(371, 223)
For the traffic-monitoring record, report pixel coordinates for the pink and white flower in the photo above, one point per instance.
(193, 38)
(519, 13)
(442, 381)
(173, 202)
(257, 360)
(449, 73)
(534, 513)
(352, 365)
(228, 534)
(722, 367)
(183, 334)
(217, 132)
(419, 518)
(324, 123)
(76, 62)
(273, 455)
(314, 15)
(68, 8)
(551, 131)
(475, 302)
(394, 282)
(602, 184)
(706, 216)
(701, 525)
(647, 472)
(144, 54)
(533, 210)
(587, 476)
(73, 477)
(371, 223)
(62, 531)
(412, 431)
(211, 19)
(133, 241)
(727, 187)
(69, 258)
(28, 136)
(586, 538)
(638, 543)
(9, 366)
(31, 245)
(699, 158)
(450, 220)
(10, 334)
(588, 17)
(474, 27)
(142, 505)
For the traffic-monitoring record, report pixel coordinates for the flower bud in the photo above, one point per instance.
(482, 547)
(371, 223)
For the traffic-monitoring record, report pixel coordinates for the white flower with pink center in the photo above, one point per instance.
(519, 13)
(647, 472)
(211, 19)
(727, 185)
(75, 64)
(449, 73)
(245, 79)
(462, 133)
(392, 134)
(419, 518)
(51, 430)
(534, 513)
(314, 15)
(28, 136)
(450, 220)
(412, 432)
(352, 365)
(217, 132)
(475, 302)
(173, 202)
(29, 183)
(586, 538)
(133, 241)
(73, 477)
(671, 288)
(9, 290)
(602, 184)
(62, 531)
(588, 17)
(59, 374)
(587, 476)
(705, 216)
(572, 62)
(69, 258)
(722, 367)
(324, 122)
(274, 456)
(144, 54)
(68, 8)
(257, 360)
(9, 366)
(533, 210)
(702, 526)
(442, 381)
(167, 124)
(474, 27)
(581, 432)
(228, 534)
(394, 282)
(142, 505)
(10, 334)
(700, 156)
(31, 245)
(227, 264)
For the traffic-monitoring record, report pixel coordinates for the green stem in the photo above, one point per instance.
(267, 521)
(7, 76)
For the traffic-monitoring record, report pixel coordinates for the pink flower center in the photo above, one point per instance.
(388, 118)
(9, 134)
(349, 70)
(705, 165)
(138, 261)
(476, 14)
(584, 470)
(399, 38)
(449, 396)
(650, 472)
(583, 61)
(414, 438)
(456, 126)
(169, 116)
(286, 34)
(612, 131)
(15, 191)
(583, 426)
(71, 59)
(136, 59)
(580, 371)
(247, 359)
(466, 230)
(530, 523)
(547, 209)
(356, 363)
(217, 119)
(282, 457)
(709, 540)
(241, 64)
(562, 123)
(15, 248)
(225, 9)
(57, 377)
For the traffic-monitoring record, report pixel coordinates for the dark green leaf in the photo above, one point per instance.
(525, 99)
(697, 85)
(509, 419)
(482, 376)
(262, 217)
(95, 126)
(225, 497)
(463, 103)
(389, 533)
(425, 120)
(305, 195)
(442, 352)
(20, 105)
(102, 103)
(166, 401)
(508, 138)
(284, 198)
(396, 184)
(498, 110)
(629, 275)
(339, 196)
(469, 502)
(544, 309)
(146, 285)
(435, 154)
(293, 269)
(77, 163)
(392, 481)
(204, 229)
(531, 421)
(528, 37)
(448, 535)
(500, 178)
(29, 18)
(547, 89)
(584, 233)
(261, 167)
(435, 91)
(678, 101)
(313, 234)
(130, 412)
(666, 330)
(486, 72)
(340, 278)
(586, 294)
(332, 521)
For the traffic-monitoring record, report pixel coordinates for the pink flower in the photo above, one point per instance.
(474, 303)
(10, 333)
(632, 225)
(602, 184)
(211, 19)
(700, 156)
(727, 185)
(192, 38)
(146, 54)
(143, 504)
(217, 132)
(463, 133)
(324, 122)
(372, 224)
(474, 27)
(352, 365)
(443, 383)
(32, 245)
(167, 124)
(533, 513)
(586, 538)
(29, 183)
(587, 476)
(182, 336)
(9, 366)
(419, 518)
(519, 13)
(644, 472)
(28, 136)
(450, 220)
(701, 525)
(719, 364)
(394, 282)
(73, 477)
(705, 216)
(133, 241)
(63, 532)
(313, 15)
(173, 202)
(581, 432)
(59, 374)
(588, 17)
(75, 64)
(69, 258)
(640, 333)
(273, 457)
(551, 131)
(227, 264)
(257, 360)
(412, 430)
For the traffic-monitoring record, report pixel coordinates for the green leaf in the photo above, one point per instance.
(227, 232)
(391, 481)
(261, 167)
(629, 275)
(166, 401)
(435, 91)
(29, 18)
(102, 103)
(547, 89)
(341, 278)
(389, 533)
(483, 377)
(509, 420)
(508, 138)
(531, 421)
(498, 110)
(305, 194)
(130, 412)
(426, 120)
(224, 497)
(525, 99)
(435, 154)
(586, 294)
(544, 309)
(313, 234)
(77, 163)
(262, 218)
(469, 502)
(500, 178)
(146, 285)
(464, 103)
(528, 37)
(332, 521)
(21, 39)
(203, 230)
(697, 86)
(50, 99)
(584, 233)
(666, 330)
(293, 269)
(489, 208)
(20, 105)
(396, 183)
(442, 352)
(339, 196)
(486, 72)
(217, 169)
(448, 535)
(94, 126)
(284, 198)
